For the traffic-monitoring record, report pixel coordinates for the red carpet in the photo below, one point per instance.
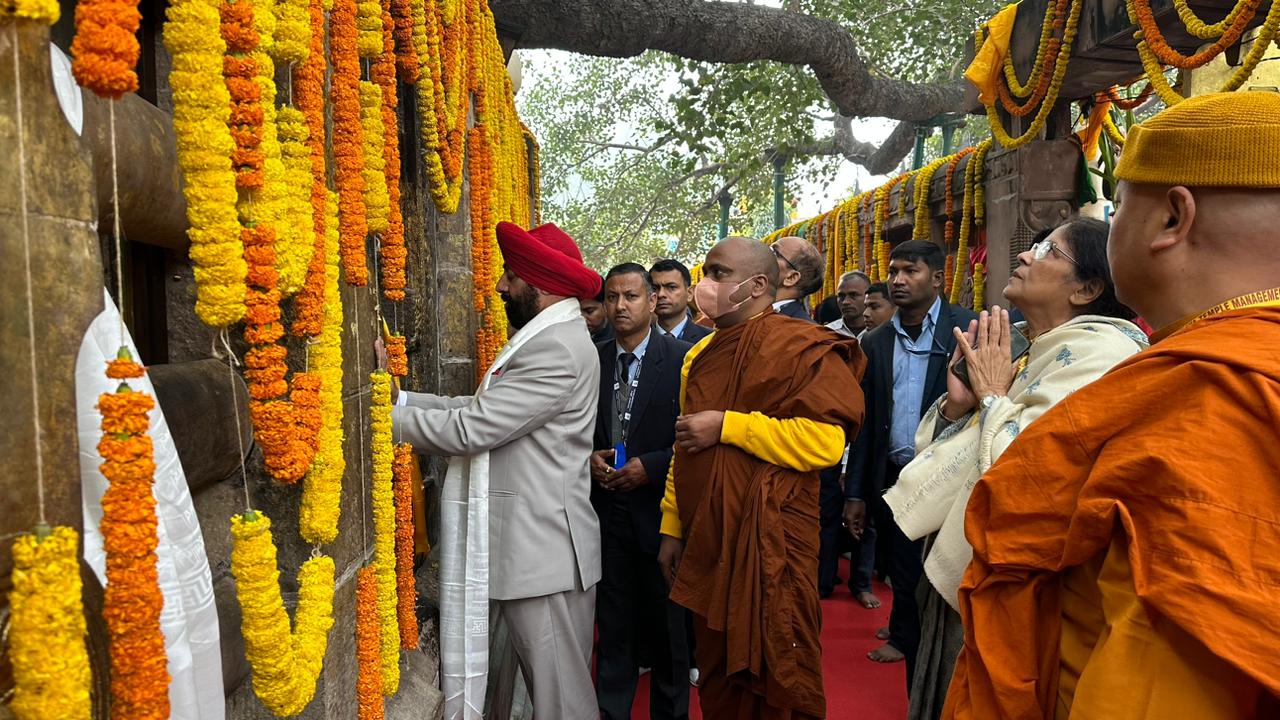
(856, 687)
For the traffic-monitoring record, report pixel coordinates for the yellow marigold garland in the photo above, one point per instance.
(406, 588)
(51, 674)
(375, 180)
(44, 11)
(440, 35)
(105, 48)
(368, 652)
(348, 141)
(322, 490)
(293, 31)
(384, 529)
(285, 663)
(966, 227)
(881, 205)
(296, 220)
(369, 28)
(308, 88)
(132, 598)
(1051, 96)
(921, 229)
(201, 108)
(979, 286)
(1113, 133)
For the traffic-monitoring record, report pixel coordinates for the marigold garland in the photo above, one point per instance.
(240, 70)
(921, 228)
(1198, 28)
(384, 529)
(201, 109)
(391, 250)
(1049, 25)
(348, 141)
(105, 48)
(308, 88)
(979, 286)
(406, 51)
(1231, 32)
(285, 664)
(1113, 96)
(295, 227)
(293, 31)
(51, 674)
(132, 599)
(1047, 55)
(442, 102)
(375, 179)
(322, 490)
(881, 205)
(406, 588)
(44, 11)
(1113, 133)
(368, 653)
(1050, 98)
(369, 28)
(966, 227)
(397, 359)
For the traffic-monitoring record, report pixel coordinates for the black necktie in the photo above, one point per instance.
(622, 397)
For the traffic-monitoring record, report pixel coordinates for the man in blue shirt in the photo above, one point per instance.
(907, 362)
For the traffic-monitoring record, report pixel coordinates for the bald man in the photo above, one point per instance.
(1127, 546)
(767, 402)
(800, 267)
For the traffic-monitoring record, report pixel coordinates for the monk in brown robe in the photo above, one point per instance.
(767, 403)
(1126, 547)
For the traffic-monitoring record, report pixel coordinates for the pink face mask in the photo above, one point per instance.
(715, 298)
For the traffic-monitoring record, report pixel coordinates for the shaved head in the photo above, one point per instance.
(747, 272)
(752, 257)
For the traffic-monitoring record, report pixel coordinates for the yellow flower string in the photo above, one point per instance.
(1051, 97)
(966, 227)
(535, 172)
(375, 179)
(922, 230)
(384, 530)
(1113, 133)
(293, 31)
(295, 229)
(44, 11)
(285, 663)
(369, 28)
(881, 205)
(322, 490)
(979, 286)
(201, 107)
(47, 629)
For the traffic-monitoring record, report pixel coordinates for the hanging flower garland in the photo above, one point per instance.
(921, 229)
(1231, 32)
(949, 230)
(1048, 27)
(881, 206)
(406, 590)
(1116, 137)
(43, 11)
(397, 359)
(966, 227)
(285, 664)
(384, 529)
(1199, 28)
(201, 109)
(375, 180)
(443, 112)
(322, 490)
(1051, 95)
(239, 70)
(132, 599)
(296, 219)
(1113, 96)
(348, 141)
(51, 674)
(1046, 59)
(308, 87)
(406, 53)
(979, 286)
(535, 172)
(368, 28)
(368, 652)
(293, 32)
(481, 247)
(391, 250)
(105, 48)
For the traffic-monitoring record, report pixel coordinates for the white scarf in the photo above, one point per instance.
(464, 565)
(933, 490)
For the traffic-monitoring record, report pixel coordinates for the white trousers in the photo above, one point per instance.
(552, 635)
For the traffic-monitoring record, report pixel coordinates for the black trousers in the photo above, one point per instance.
(904, 562)
(830, 510)
(638, 625)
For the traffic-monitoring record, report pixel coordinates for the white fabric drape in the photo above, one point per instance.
(189, 619)
(464, 545)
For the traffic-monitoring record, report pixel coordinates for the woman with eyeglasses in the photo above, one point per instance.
(1078, 331)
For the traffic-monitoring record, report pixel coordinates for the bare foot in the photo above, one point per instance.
(868, 600)
(882, 633)
(886, 653)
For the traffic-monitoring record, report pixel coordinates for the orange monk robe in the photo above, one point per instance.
(749, 570)
(1152, 495)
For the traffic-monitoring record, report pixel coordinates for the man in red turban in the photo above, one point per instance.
(518, 472)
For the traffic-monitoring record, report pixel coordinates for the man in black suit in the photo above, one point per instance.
(635, 430)
(800, 268)
(671, 281)
(907, 362)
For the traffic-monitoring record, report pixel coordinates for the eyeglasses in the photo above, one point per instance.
(1041, 250)
(783, 258)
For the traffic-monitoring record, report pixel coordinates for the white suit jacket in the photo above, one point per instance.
(536, 420)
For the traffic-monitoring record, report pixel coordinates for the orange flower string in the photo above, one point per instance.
(348, 141)
(105, 48)
(397, 359)
(406, 589)
(392, 251)
(405, 52)
(239, 69)
(308, 88)
(368, 653)
(132, 599)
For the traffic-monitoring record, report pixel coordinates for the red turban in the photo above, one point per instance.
(548, 259)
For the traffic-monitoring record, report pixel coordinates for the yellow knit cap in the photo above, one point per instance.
(1218, 140)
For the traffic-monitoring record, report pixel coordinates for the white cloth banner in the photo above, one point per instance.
(464, 565)
(189, 619)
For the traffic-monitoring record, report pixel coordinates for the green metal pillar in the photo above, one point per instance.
(722, 231)
(948, 138)
(917, 159)
(779, 212)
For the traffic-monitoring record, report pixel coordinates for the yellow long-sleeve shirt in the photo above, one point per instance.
(795, 443)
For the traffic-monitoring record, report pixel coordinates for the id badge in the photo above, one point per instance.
(619, 455)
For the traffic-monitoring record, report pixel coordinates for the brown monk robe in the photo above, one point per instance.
(778, 397)
(1126, 547)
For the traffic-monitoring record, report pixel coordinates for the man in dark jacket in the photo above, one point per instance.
(635, 431)
(671, 283)
(907, 362)
(800, 268)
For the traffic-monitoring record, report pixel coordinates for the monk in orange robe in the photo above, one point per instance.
(1126, 548)
(768, 401)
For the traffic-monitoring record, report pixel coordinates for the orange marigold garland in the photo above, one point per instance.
(392, 250)
(239, 68)
(397, 359)
(105, 48)
(405, 51)
(348, 141)
(407, 592)
(308, 89)
(481, 245)
(368, 651)
(132, 600)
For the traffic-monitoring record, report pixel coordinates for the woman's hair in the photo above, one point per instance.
(1088, 238)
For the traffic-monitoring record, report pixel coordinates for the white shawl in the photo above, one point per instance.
(933, 490)
(464, 565)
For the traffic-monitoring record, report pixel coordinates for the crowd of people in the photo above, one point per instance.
(1075, 520)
